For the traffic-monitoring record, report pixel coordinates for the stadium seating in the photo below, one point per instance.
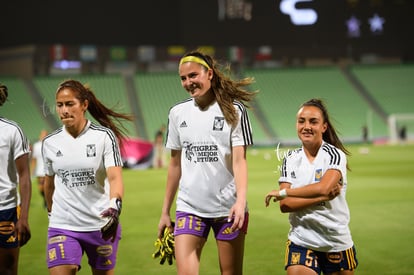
(283, 90)
(272, 115)
(390, 85)
(22, 108)
(110, 89)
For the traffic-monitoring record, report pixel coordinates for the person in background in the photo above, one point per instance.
(15, 191)
(36, 164)
(83, 185)
(208, 135)
(365, 134)
(159, 148)
(313, 184)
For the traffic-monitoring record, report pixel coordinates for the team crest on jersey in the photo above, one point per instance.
(318, 175)
(218, 123)
(90, 150)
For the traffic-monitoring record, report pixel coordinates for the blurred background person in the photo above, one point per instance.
(36, 164)
(159, 159)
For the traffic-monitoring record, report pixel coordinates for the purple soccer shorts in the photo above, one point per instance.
(187, 223)
(65, 247)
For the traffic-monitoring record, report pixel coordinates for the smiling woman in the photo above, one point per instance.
(313, 184)
(208, 135)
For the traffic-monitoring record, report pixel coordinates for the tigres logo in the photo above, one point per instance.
(52, 254)
(295, 258)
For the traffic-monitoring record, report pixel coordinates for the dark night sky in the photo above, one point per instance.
(183, 22)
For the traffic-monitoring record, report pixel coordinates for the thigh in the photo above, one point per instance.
(231, 253)
(9, 258)
(188, 250)
(190, 234)
(230, 245)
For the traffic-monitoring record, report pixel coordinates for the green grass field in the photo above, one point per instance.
(380, 195)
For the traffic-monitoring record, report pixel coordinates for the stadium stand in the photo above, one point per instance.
(156, 93)
(110, 89)
(358, 96)
(390, 85)
(283, 90)
(22, 108)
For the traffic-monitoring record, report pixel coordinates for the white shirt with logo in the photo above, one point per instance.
(79, 166)
(13, 144)
(323, 227)
(207, 186)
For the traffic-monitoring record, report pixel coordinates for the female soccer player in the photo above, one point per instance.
(313, 184)
(208, 135)
(83, 185)
(15, 191)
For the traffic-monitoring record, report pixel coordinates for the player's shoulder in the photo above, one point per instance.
(11, 127)
(181, 104)
(291, 154)
(52, 135)
(239, 105)
(8, 123)
(331, 149)
(97, 129)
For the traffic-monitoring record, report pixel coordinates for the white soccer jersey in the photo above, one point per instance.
(13, 144)
(39, 170)
(207, 186)
(79, 166)
(323, 227)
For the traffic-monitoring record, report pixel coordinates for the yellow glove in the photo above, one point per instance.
(165, 247)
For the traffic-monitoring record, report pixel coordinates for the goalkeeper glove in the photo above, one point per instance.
(108, 231)
(165, 246)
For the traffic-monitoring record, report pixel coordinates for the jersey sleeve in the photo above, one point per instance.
(285, 173)
(112, 153)
(21, 144)
(242, 132)
(173, 138)
(47, 162)
(336, 159)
